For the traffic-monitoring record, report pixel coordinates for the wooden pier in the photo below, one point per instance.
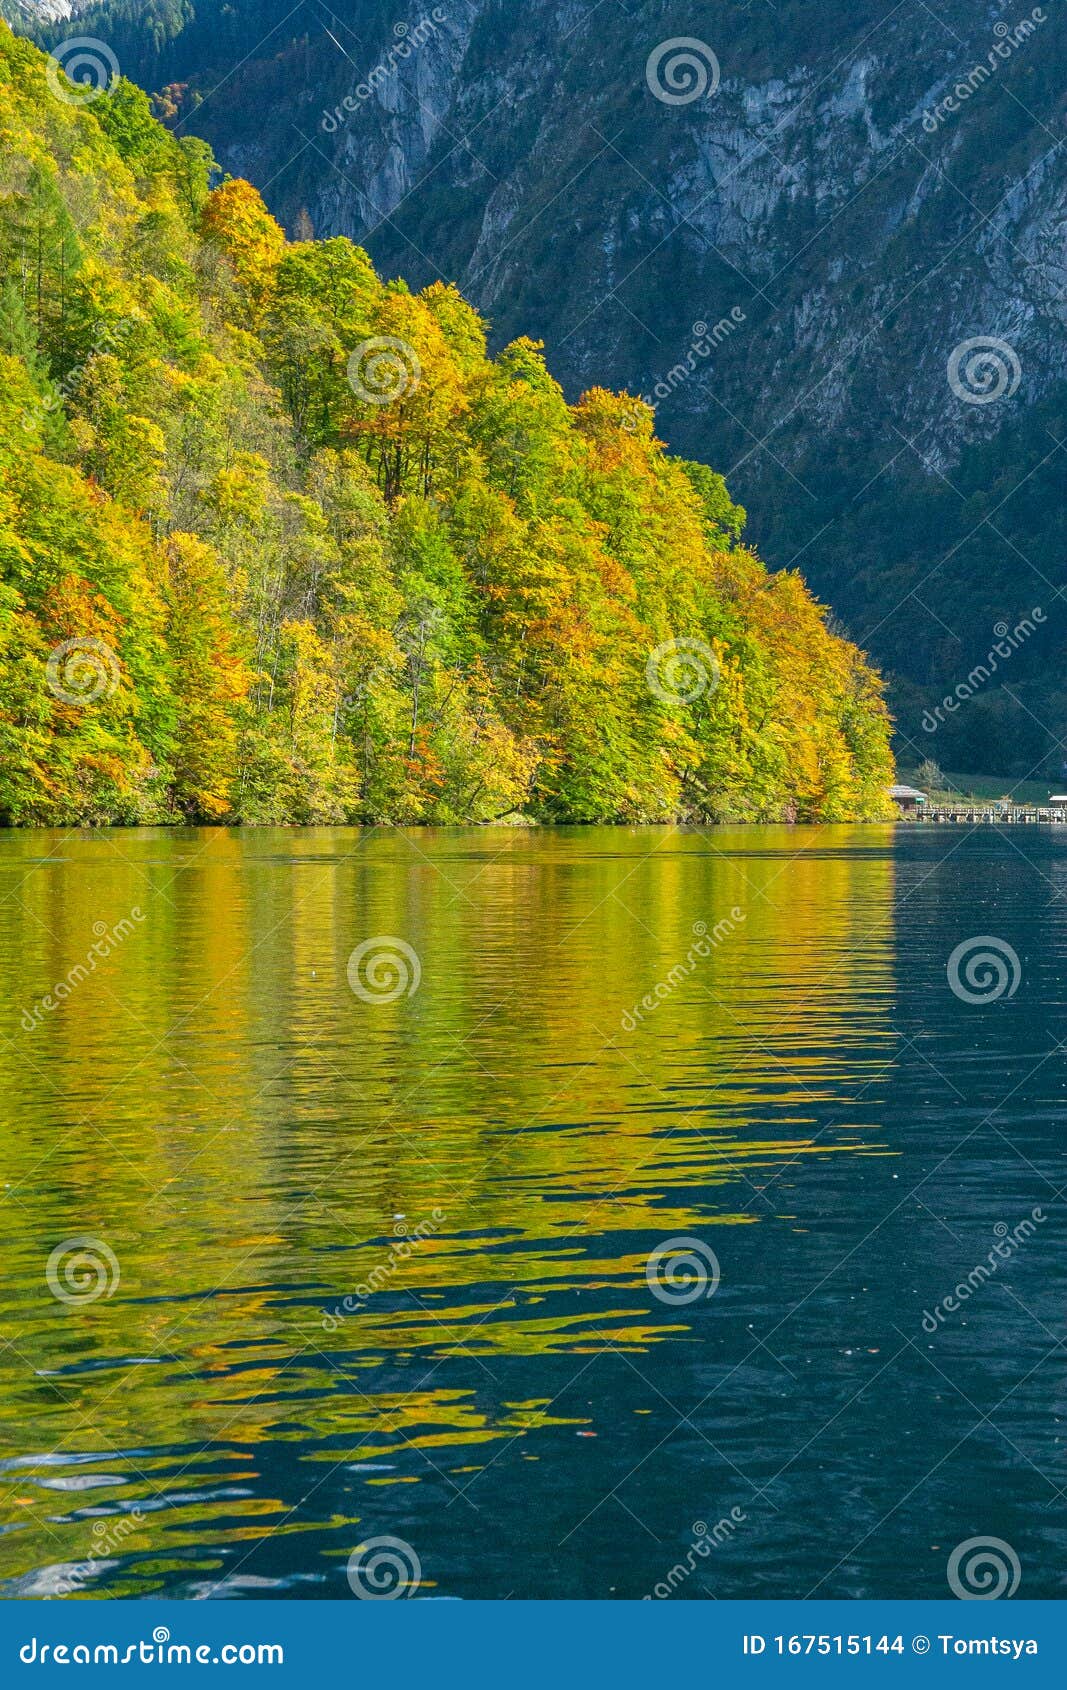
(999, 815)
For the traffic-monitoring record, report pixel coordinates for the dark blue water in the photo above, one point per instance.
(374, 1263)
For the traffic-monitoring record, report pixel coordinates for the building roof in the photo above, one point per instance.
(907, 792)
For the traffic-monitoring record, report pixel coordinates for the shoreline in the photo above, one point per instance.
(961, 819)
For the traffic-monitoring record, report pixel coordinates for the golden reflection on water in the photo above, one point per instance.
(257, 1145)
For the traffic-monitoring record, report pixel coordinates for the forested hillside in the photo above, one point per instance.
(281, 543)
(873, 184)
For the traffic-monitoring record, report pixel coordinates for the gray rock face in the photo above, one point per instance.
(22, 14)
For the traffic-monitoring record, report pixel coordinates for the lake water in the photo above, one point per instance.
(370, 1259)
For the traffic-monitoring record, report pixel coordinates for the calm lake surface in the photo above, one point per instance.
(373, 1262)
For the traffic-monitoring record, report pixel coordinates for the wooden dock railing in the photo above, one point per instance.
(1012, 814)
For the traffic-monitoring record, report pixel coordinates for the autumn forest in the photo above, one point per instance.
(281, 543)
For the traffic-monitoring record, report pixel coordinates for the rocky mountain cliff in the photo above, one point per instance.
(828, 240)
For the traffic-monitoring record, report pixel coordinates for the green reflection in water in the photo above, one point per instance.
(305, 1191)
